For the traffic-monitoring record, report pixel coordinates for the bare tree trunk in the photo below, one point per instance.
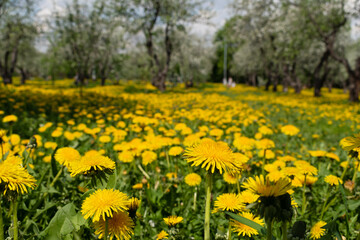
(275, 81)
(23, 75)
(319, 82)
(103, 79)
(7, 78)
(287, 78)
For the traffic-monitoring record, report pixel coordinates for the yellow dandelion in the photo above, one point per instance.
(105, 139)
(318, 153)
(351, 143)
(231, 178)
(333, 180)
(290, 130)
(229, 202)
(245, 230)
(137, 186)
(134, 203)
(171, 175)
(306, 168)
(10, 119)
(248, 196)
(90, 163)
(126, 156)
(192, 179)
(162, 235)
(317, 231)
(67, 155)
(173, 220)
(265, 144)
(265, 187)
(148, 157)
(14, 177)
(104, 203)
(50, 145)
(265, 130)
(210, 155)
(120, 226)
(175, 151)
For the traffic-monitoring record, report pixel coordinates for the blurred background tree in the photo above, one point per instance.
(289, 43)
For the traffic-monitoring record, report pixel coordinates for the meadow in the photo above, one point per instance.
(129, 162)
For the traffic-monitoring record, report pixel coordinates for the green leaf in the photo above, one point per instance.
(111, 181)
(247, 222)
(347, 210)
(65, 221)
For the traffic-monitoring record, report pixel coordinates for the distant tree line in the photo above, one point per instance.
(292, 43)
(295, 43)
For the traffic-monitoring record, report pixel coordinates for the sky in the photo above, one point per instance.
(219, 8)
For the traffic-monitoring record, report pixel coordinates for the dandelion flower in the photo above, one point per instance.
(231, 178)
(333, 180)
(248, 196)
(148, 157)
(264, 187)
(104, 203)
(126, 156)
(137, 186)
(67, 155)
(210, 155)
(120, 226)
(173, 220)
(133, 206)
(175, 151)
(10, 119)
(317, 231)
(171, 176)
(90, 163)
(193, 179)
(351, 143)
(14, 177)
(229, 202)
(162, 235)
(290, 130)
(245, 230)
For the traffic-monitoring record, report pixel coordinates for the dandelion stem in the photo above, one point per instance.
(303, 207)
(229, 234)
(263, 163)
(326, 198)
(284, 227)
(269, 230)
(1, 224)
(106, 229)
(57, 177)
(207, 207)
(167, 160)
(15, 219)
(2, 152)
(27, 157)
(355, 175)
(195, 195)
(143, 172)
(345, 168)
(238, 185)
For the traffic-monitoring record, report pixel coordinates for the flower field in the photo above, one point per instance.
(128, 162)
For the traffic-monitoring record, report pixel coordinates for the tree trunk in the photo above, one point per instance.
(23, 75)
(287, 78)
(275, 82)
(354, 89)
(7, 78)
(319, 82)
(103, 79)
